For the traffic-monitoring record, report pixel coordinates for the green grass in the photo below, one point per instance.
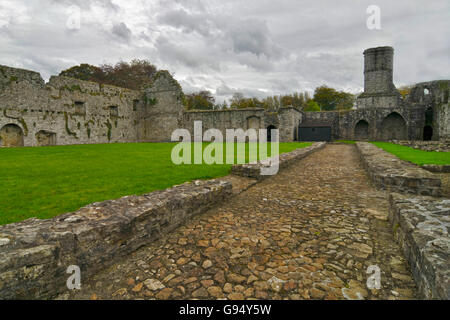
(46, 181)
(418, 157)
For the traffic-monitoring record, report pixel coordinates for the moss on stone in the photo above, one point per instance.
(24, 125)
(69, 132)
(109, 126)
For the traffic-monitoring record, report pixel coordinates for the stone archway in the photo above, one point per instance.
(362, 130)
(393, 127)
(11, 135)
(269, 132)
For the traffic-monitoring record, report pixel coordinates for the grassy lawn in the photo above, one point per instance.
(419, 157)
(47, 181)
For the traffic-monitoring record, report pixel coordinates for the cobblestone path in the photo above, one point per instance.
(310, 232)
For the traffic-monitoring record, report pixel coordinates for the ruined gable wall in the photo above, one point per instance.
(162, 110)
(286, 120)
(290, 118)
(36, 107)
(224, 119)
(436, 99)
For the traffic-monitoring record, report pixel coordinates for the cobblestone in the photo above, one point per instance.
(310, 232)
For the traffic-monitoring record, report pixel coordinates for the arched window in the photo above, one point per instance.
(393, 127)
(362, 130)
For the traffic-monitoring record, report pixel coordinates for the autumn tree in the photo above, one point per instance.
(203, 100)
(131, 75)
(405, 90)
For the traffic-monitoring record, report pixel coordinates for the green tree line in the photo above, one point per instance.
(324, 99)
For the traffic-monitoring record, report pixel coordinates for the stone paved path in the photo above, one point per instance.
(308, 233)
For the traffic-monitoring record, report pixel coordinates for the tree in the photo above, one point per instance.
(237, 100)
(311, 105)
(202, 100)
(131, 75)
(405, 90)
(326, 97)
(85, 72)
(331, 99)
(346, 101)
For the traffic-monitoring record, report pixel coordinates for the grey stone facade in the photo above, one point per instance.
(285, 119)
(70, 111)
(382, 114)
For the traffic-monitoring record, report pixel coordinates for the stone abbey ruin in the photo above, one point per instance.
(70, 111)
(312, 231)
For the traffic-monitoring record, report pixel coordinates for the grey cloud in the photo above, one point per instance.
(258, 47)
(122, 31)
(187, 22)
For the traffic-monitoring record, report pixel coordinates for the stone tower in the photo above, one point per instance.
(378, 70)
(379, 88)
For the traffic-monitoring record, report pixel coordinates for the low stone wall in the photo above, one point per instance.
(439, 146)
(390, 173)
(254, 170)
(421, 226)
(437, 168)
(35, 254)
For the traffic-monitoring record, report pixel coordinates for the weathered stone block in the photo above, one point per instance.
(390, 173)
(421, 226)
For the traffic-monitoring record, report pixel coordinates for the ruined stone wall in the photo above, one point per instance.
(433, 97)
(224, 119)
(35, 254)
(10, 75)
(290, 118)
(67, 111)
(286, 120)
(163, 108)
(421, 225)
(388, 172)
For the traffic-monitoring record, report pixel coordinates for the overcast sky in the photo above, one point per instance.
(258, 47)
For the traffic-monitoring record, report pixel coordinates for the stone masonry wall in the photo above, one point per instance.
(390, 173)
(163, 109)
(286, 120)
(35, 254)
(254, 170)
(421, 226)
(74, 111)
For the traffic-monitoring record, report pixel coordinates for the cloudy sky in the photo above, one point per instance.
(258, 47)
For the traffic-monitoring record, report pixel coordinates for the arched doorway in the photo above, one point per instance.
(393, 127)
(362, 130)
(11, 135)
(427, 133)
(269, 133)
